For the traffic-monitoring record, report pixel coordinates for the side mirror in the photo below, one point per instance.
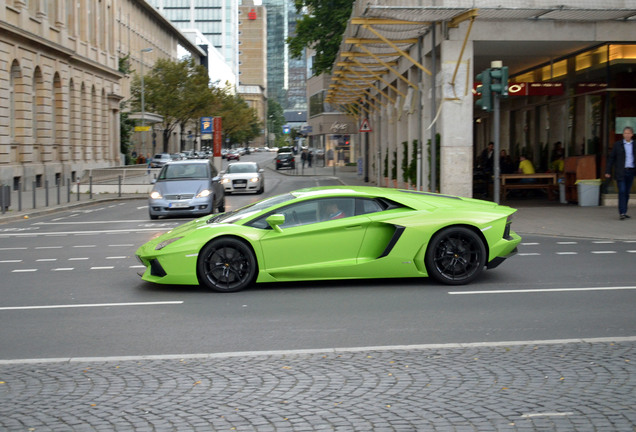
(275, 220)
(261, 170)
(153, 181)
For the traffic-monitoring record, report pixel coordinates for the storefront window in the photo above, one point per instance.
(338, 150)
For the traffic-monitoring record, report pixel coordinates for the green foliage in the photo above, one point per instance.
(386, 164)
(394, 166)
(321, 30)
(413, 164)
(124, 64)
(438, 140)
(276, 119)
(125, 133)
(405, 161)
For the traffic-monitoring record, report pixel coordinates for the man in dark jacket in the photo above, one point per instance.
(623, 159)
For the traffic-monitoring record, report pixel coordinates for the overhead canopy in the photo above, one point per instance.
(378, 35)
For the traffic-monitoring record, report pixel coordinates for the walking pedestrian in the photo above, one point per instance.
(622, 159)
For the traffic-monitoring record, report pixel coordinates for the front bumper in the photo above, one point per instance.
(192, 207)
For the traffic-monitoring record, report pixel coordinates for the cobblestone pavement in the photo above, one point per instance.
(576, 386)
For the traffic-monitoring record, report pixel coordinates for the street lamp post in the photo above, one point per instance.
(143, 108)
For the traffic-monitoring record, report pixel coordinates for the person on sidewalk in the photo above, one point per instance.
(622, 158)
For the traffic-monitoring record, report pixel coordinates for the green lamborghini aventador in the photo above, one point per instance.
(335, 233)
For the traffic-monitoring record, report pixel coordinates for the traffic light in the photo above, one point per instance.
(499, 80)
(486, 92)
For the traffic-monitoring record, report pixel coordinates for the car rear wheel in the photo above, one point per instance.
(221, 207)
(226, 265)
(455, 256)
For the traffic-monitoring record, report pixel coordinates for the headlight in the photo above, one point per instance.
(155, 195)
(225, 180)
(204, 193)
(254, 179)
(165, 243)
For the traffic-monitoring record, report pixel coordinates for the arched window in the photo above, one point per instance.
(74, 121)
(58, 110)
(96, 126)
(15, 82)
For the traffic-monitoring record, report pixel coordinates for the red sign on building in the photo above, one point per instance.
(251, 14)
(217, 136)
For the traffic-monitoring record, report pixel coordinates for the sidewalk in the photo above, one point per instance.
(534, 216)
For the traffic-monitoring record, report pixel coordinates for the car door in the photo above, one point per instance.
(313, 245)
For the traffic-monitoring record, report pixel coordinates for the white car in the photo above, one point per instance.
(243, 177)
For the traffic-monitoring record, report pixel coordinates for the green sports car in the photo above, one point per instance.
(335, 233)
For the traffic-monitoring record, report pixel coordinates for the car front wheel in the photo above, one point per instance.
(226, 265)
(455, 256)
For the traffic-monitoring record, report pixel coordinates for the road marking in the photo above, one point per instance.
(13, 248)
(85, 246)
(116, 257)
(92, 222)
(121, 245)
(103, 268)
(2, 235)
(603, 242)
(529, 244)
(69, 306)
(542, 290)
(548, 414)
(47, 247)
(631, 251)
(567, 242)
(567, 253)
(603, 252)
(529, 254)
(63, 269)
(136, 266)
(24, 270)
(10, 261)
(281, 353)
(78, 259)
(46, 259)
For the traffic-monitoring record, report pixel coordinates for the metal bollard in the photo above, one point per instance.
(68, 190)
(78, 193)
(119, 187)
(46, 193)
(19, 196)
(90, 187)
(34, 187)
(58, 190)
(2, 204)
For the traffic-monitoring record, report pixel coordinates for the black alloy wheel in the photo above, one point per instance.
(455, 256)
(226, 265)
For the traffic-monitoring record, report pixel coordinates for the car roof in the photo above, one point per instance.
(188, 162)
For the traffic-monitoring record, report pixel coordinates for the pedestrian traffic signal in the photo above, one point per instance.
(499, 80)
(485, 90)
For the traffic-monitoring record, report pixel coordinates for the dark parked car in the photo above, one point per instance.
(285, 160)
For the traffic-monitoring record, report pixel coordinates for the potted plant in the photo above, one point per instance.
(385, 172)
(394, 169)
(413, 166)
(405, 163)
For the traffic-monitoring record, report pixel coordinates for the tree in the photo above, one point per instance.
(275, 120)
(178, 91)
(321, 30)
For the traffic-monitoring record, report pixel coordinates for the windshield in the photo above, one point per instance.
(241, 168)
(251, 209)
(183, 171)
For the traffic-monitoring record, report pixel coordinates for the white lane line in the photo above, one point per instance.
(103, 268)
(69, 306)
(63, 269)
(529, 244)
(136, 266)
(542, 290)
(46, 259)
(121, 245)
(47, 247)
(24, 270)
(567, 253)
(78, 259)
(116, 257)
(567, 242)
(92, 222)
(528, 254)
(603, 242)
(547, 414)
(364, 349)
(2, 235)
(11, 261)
(85, 246)
(603, 252)
(631, 251)
(13, 248)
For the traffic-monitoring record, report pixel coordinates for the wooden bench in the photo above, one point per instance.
(542, 181)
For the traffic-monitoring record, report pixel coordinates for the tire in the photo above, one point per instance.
(226, 265)
(221, 207)
(153, 217)
(455, 256)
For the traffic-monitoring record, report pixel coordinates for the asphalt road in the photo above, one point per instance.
(70, 289)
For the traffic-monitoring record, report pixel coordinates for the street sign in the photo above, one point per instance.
(206, 125)
(365, 127)
(142, 128)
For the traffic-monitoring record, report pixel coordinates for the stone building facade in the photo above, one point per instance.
(61, 88)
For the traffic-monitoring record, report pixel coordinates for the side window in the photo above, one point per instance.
(300, 214)
(213, 170)
(364, 206)
(336, 208)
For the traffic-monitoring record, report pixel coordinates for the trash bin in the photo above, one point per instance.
(589, 192)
